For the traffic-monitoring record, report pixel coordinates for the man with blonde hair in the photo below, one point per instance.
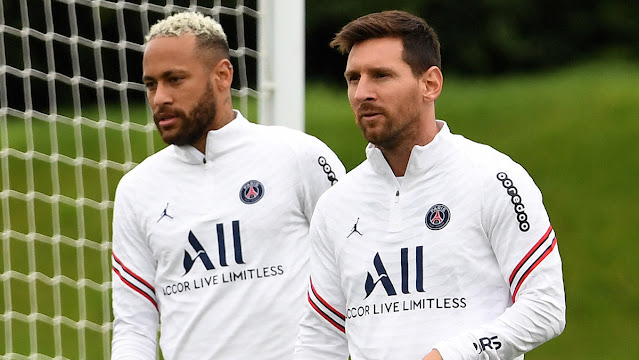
(210, 233)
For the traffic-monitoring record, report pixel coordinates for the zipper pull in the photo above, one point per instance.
(394, 219)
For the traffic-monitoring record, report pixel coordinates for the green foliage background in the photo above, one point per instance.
(482, 37)
(573, 129)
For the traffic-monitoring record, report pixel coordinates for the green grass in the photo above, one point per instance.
(574, 130)
(329, 117)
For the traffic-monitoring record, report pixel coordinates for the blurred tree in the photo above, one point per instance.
(486, 37)
(478, 37)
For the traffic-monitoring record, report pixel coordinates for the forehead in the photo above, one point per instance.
(169, 51)
(382, 52)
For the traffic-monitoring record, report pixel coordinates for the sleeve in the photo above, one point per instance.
(321, 334)
(524, 243)
(320, 168)
(135, 308)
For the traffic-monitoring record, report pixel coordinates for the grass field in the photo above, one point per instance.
(573, 129)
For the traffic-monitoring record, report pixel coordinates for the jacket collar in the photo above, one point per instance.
(218, 142)
(422, 158)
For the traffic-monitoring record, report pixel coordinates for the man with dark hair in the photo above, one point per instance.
(453, 256)
(210, 235)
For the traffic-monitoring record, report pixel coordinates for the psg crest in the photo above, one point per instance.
(437, 217)
(251, 192)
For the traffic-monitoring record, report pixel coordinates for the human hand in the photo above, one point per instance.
(433, 355)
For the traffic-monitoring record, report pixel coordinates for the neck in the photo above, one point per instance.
(397, 159)
(222, 118)
(398, 156)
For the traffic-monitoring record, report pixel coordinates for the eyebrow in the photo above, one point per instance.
(376, 69)
(382, 69)
(164, 75)
(350, 73)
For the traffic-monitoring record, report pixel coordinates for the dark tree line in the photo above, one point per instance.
(478, 37)
(485, 37)
(70, 59)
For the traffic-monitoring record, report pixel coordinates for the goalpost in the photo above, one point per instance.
(73, 120)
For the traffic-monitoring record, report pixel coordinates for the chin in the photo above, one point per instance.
(172, 139)
(371, 136)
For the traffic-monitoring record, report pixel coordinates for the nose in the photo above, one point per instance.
(363, 90)
(161, 95)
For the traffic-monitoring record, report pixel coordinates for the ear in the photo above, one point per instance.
(222, 74)
(433, 81)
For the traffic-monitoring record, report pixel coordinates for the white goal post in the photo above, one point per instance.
(73, 120)
(281, 72)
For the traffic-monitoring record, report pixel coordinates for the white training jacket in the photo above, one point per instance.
(215, 246)
(458, 255)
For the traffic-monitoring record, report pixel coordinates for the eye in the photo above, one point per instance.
(175, 79)
(150, 84)
(352, 78)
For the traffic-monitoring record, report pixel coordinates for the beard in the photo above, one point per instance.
(192, 126)
(391, 130)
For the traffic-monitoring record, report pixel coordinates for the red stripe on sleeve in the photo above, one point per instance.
(532, 250)
(541, 258)
(325, 303)
(133, 274)
(136, 289)
(328, 318)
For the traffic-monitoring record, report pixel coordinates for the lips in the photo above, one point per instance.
(369, 115)
(165, 119)
(167, 122)
(369, 112)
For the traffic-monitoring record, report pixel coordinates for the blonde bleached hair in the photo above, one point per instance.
(208, 32)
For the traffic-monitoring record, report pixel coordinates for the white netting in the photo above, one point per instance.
(73, 120)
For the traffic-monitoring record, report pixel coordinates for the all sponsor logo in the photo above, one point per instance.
(382, 275)
(203, 256)
(409, 281)
(227, 272)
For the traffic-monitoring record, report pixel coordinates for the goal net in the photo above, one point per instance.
(73, 120)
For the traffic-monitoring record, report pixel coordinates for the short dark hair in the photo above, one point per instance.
(421, 45)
